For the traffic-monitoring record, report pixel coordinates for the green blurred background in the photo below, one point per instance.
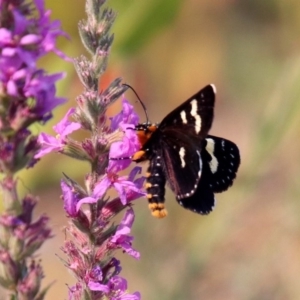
(249, 247)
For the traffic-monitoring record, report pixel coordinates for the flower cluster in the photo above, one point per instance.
(27, 95)
(93, 238)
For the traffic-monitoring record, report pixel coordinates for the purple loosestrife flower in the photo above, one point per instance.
(115, 289)
(125, 121)
(121, 238)
(63, 129)
(27, 95)
(103, 237)
(92, 237)
(23, 41)
(123, 186)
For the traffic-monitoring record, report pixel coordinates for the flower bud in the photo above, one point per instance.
(9, 272)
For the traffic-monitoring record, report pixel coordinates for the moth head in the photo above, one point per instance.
(144, 132)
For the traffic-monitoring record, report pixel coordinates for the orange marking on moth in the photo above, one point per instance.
(158, 210)
(144, 135)
(148, 185)
(138, 155)
(159, 213)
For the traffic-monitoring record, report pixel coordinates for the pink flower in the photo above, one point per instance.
(125, 187)
(122, 239)
(56, 144)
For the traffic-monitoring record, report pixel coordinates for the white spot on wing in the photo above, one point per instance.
(210, 147)
(214, 88)
(223, 144)
(183, 117)
(196, 116)
(215, 203)
(181, 155)
(200, 164)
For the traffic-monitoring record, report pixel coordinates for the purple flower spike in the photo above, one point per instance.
(92, 237)
(27, 97)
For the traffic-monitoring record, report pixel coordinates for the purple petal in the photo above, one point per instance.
(121, 191)
(101, 187)
(126, 116)
(118, 283)
(130, 251)
(126, 148)
(20, 74)
(12, 88)
(135, 171)
(126, 223)
(139, 183)
(116, 150)
(96, 286)
(118, 287)
(125, 189)
(5, 36)
(21, 23)
(96, 273)
(49, 144)
(40, 6)
(86, 200)
(133, 194)
(70, 199)
(10, 52)
(42, 88)
(30, 39)
(65, 127)
(62, 55)
(121, 237)
(134, 296)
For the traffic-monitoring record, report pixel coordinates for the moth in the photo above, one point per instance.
(180, 152)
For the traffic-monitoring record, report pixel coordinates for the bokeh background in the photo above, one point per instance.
(249, 247)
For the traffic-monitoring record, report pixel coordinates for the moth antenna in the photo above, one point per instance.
(143, 105)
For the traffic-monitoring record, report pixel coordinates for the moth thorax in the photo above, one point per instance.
(144, 132)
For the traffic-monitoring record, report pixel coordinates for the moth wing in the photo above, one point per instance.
(223, 159)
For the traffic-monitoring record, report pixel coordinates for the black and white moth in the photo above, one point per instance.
(181, 153)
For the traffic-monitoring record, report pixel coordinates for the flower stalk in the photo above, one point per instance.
(92, 237)
(27, 96)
